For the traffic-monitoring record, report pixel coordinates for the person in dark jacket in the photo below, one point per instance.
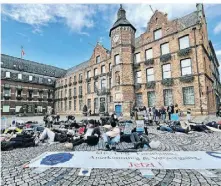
(91, 135)
(163, 113)
(170, 110)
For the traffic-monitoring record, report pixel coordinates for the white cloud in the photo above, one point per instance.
(76, 17)
(217, 29)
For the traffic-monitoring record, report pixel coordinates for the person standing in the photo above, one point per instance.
(154, 113)
(170, 110)
(163, 113)
(176, 109)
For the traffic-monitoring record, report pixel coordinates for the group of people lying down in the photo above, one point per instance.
(175, 126)
(91, 134)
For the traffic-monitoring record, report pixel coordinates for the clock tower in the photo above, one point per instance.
(122, 36)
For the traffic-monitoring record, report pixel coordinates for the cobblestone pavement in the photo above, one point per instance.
(12, 172)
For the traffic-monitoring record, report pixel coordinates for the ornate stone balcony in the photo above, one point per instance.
(184, 52)
(187, 78)
(166, 57)
(7, 96)
(167, 82)
(19, 97)
(70, 84)
(65, 85)
(75, 83)
(49, 99)
(74, 97)
(151, 85)
(80, 96)
(149, 62)
(96, 77)
(136, 65)
(88, 79)
(80, 81)
(40, 99)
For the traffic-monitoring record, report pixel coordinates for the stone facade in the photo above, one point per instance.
(124, 88)
(28, 85)
(173, 62)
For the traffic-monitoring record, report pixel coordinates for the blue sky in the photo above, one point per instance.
(62, 35)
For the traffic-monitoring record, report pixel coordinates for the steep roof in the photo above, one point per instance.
(24, 65)
(77, 68)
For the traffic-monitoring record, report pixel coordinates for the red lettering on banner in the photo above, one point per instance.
(141, 165)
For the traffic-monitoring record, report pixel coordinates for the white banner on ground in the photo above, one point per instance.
(130, 160)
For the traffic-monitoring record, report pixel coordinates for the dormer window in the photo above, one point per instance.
(98, 60)
(157, 34)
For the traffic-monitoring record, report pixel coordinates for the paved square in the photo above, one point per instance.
(14, 174)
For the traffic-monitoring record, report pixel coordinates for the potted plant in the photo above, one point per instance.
(85, 110)
(102, 109)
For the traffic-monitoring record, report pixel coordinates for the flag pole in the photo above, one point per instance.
(21, 52)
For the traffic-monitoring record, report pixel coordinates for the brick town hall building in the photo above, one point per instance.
(172, 62)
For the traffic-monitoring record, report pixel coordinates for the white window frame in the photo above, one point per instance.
(166, 71)
(20, 76)
(98, 59)
(149, 53)
(184, 42)
(117, 59)
(103, 85)
(151, 98)
(30, 78)
(156, 32)
(49, 80)
(88, 74)
(150, 75)
(165, 48)
(188, 99)
(167, 96)
(103, 69)
(6, 109)
(95, 71)
(186, 69)
(137, 58)
(8, 74)
(138, 77)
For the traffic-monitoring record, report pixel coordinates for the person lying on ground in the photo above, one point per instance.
(112, 136)
(139, 139)
(214, 125)
(21, 140)
(200, 127)
(173, 128)
(91, 135)
(70, 117)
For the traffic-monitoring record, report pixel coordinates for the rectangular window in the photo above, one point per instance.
(69, 105)
(69, 79)
(103, 70)
(96, 103)
(98, 60)
(117, 59)
(8, 74)
(103, 83)
(80, 90)
(69, 92)
(17, 109)
(188, 96)
(186, 67)
(6, 108)
(150, 75)
(184, 42)
(89, 103)
(65, 105)
(165, 48)
(7, 91)
(95, 72)
(138, 77)
(95, 86)
(149, 53)
(151, 99)
(80, 104)
(166, 71)
(40, 80)
(19, 92)
(137, 58)
(65, 81)
(80, 76)
(65, 93)
(168, 97)
(88, 74)
(157, 34)
(139, 100)
(88, 87)
(30, 78)
(19, 76)
(61, 94)
(75, 91)
(75, 104)
(110, 67)
(109, 82)
(74, 78)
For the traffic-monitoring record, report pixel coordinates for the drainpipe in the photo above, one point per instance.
(197, 67)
